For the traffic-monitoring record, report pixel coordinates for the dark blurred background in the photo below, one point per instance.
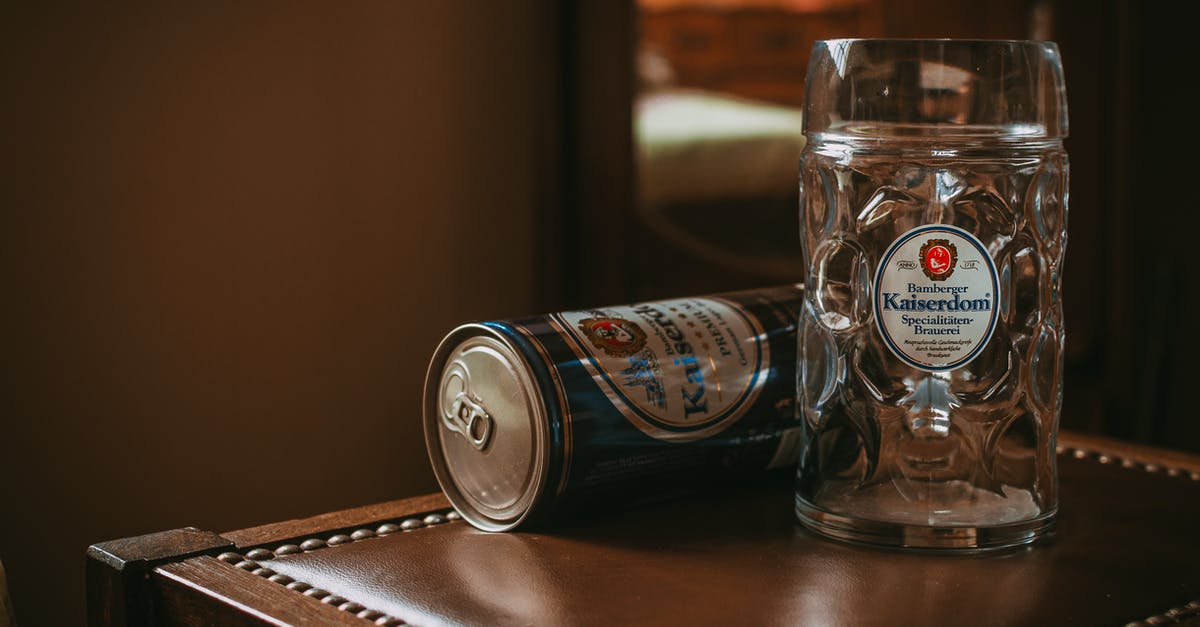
(232, 233)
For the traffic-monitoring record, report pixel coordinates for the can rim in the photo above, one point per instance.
(532, 496)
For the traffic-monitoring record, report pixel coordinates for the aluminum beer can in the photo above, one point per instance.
(530, 418)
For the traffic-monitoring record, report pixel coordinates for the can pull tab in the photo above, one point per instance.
(466, 415)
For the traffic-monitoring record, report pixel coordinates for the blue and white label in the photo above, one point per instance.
(936, 297)
(680, 370)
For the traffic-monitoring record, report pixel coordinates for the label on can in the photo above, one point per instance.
(936, 297)
(680, 370)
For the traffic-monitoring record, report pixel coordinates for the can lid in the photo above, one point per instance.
(485, 427)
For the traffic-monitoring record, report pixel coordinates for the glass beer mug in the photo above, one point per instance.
(933, 217)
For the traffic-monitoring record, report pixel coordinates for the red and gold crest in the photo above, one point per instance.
(617, 337)
(938, 258)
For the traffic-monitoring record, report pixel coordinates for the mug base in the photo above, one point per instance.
(956, 539)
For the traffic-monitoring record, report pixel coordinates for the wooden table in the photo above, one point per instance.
(1127, 551)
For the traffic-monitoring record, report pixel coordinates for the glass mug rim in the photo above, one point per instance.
(942, 88)
(976, 41)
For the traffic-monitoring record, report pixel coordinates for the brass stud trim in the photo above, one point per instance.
(250, 561)
(1124, 462)
(1174, 615)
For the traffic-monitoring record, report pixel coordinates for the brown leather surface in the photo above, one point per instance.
(1128, 548)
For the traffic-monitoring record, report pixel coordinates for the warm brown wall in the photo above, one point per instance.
(231, 235)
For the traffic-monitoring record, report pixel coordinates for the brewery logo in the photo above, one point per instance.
(617, 337)
(936, 297)
(938, 257)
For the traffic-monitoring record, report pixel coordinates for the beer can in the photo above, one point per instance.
(530, 418)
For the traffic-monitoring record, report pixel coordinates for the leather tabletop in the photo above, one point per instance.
(1127, 548)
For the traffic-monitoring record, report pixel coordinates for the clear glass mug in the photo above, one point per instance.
(933, 200)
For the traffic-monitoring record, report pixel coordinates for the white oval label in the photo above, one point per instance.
(936, 295)
(679, 370)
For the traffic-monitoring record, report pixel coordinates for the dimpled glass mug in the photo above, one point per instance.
(933, 217)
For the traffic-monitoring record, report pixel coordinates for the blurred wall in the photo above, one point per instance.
(231, 235)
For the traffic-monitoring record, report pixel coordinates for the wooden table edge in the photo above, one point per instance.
(128, 579)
